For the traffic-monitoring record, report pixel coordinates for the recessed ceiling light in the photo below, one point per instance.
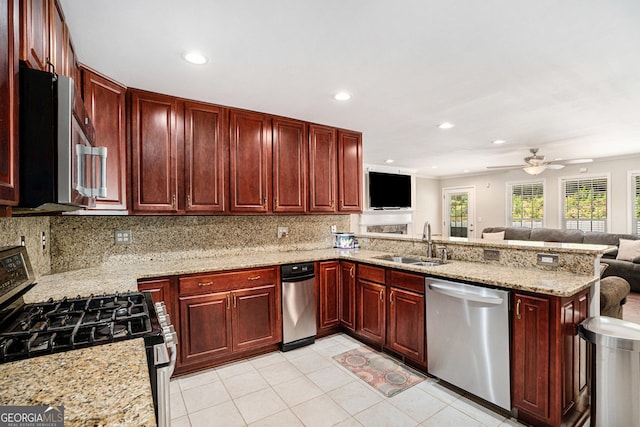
(389, 161)
(445, 125)
(499, 141)
(434, 167)
(195, 58)
(466, 171)
(342, 96)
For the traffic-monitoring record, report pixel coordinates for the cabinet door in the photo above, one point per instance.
(154, 152)
(160, 291)
(73, 70)
(347, 295)
(349, 171)
(105, 102)
(405, 331)
(328, 310)
(9, 102)
(289, 165)
(531, 353)
(58, 33)
(205, 327)
(204, 136)
(322, 169)
(371, 311)
(249, 162)
(34, 33)
(256, 319)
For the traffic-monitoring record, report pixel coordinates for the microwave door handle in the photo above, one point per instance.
(80, 185)
(101, 153)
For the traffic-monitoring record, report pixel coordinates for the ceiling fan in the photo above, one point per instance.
(535, 164)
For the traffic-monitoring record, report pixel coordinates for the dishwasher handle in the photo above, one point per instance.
(454, 292)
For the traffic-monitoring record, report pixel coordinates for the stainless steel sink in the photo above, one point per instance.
(399, 258)
(410, 260)
(428, 263)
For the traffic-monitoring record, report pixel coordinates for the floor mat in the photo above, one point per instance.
(381, 372)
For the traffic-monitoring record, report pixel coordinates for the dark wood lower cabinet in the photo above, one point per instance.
(549, 360)
(405, 329)
(255, 317)
(205, 328)
(160, 290)
(328, 279)
(371, 311)
(347, 294)
(227, 315)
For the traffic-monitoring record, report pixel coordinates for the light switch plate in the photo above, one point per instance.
(122, 237)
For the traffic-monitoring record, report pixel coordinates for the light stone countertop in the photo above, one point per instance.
(101, 385)
(123, 277)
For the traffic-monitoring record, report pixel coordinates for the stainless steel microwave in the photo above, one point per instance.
(60, 167)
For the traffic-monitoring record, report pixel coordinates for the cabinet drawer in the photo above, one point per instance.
(401, 279)
(225, 281)
(373, 274)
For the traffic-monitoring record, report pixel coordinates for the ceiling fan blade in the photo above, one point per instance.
(554, 166)
(577, 161)
(506, 167)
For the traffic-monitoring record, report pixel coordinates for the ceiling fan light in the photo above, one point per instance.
(534, 170)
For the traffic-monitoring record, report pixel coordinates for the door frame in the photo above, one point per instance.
(471, 194)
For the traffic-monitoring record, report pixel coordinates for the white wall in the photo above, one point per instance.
(491, 194)
(428, 206)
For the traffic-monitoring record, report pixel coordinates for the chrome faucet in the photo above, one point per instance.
(426, 235)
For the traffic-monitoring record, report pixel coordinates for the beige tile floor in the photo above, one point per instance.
(306, 387)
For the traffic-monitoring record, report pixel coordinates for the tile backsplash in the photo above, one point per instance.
(87, 241)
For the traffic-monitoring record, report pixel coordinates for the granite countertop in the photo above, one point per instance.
(96, 385)
(122, 277)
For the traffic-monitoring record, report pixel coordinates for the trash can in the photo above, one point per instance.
(615, 386)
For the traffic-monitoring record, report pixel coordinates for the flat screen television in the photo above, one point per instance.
(389, 191)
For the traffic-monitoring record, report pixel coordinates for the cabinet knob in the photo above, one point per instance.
(391, 297)
(188, 201)
(228, 301)
(174, 203)
(235, 302)
(253, 277)
(381, 297)
(201, 284)
(518, 308)
(352, 271)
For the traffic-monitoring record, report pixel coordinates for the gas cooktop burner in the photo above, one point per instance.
(72, 323)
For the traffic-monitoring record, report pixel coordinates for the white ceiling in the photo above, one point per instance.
(563, 76)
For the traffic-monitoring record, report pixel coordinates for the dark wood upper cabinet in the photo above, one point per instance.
(154, 152)
(58, 35)
(349, 171)
(34, 34)
(205, 127)
(249, 162)
(72, 67)
(9, 36)
(322, 169)
(105, 101)
(290, 173)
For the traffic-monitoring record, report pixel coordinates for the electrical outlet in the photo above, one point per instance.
(43, 241)
(334, 229)
(22, 241)
(283, 232)
(548, 259)
(122, 237)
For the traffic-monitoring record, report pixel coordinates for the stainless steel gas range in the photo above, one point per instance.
(32, 330)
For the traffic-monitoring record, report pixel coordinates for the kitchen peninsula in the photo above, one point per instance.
(560, 292)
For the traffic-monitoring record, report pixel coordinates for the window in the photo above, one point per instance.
(526, 204)
(585, 203)
(635, 218)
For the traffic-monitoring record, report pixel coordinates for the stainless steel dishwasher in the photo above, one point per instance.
(468, 338)
(298, 305)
